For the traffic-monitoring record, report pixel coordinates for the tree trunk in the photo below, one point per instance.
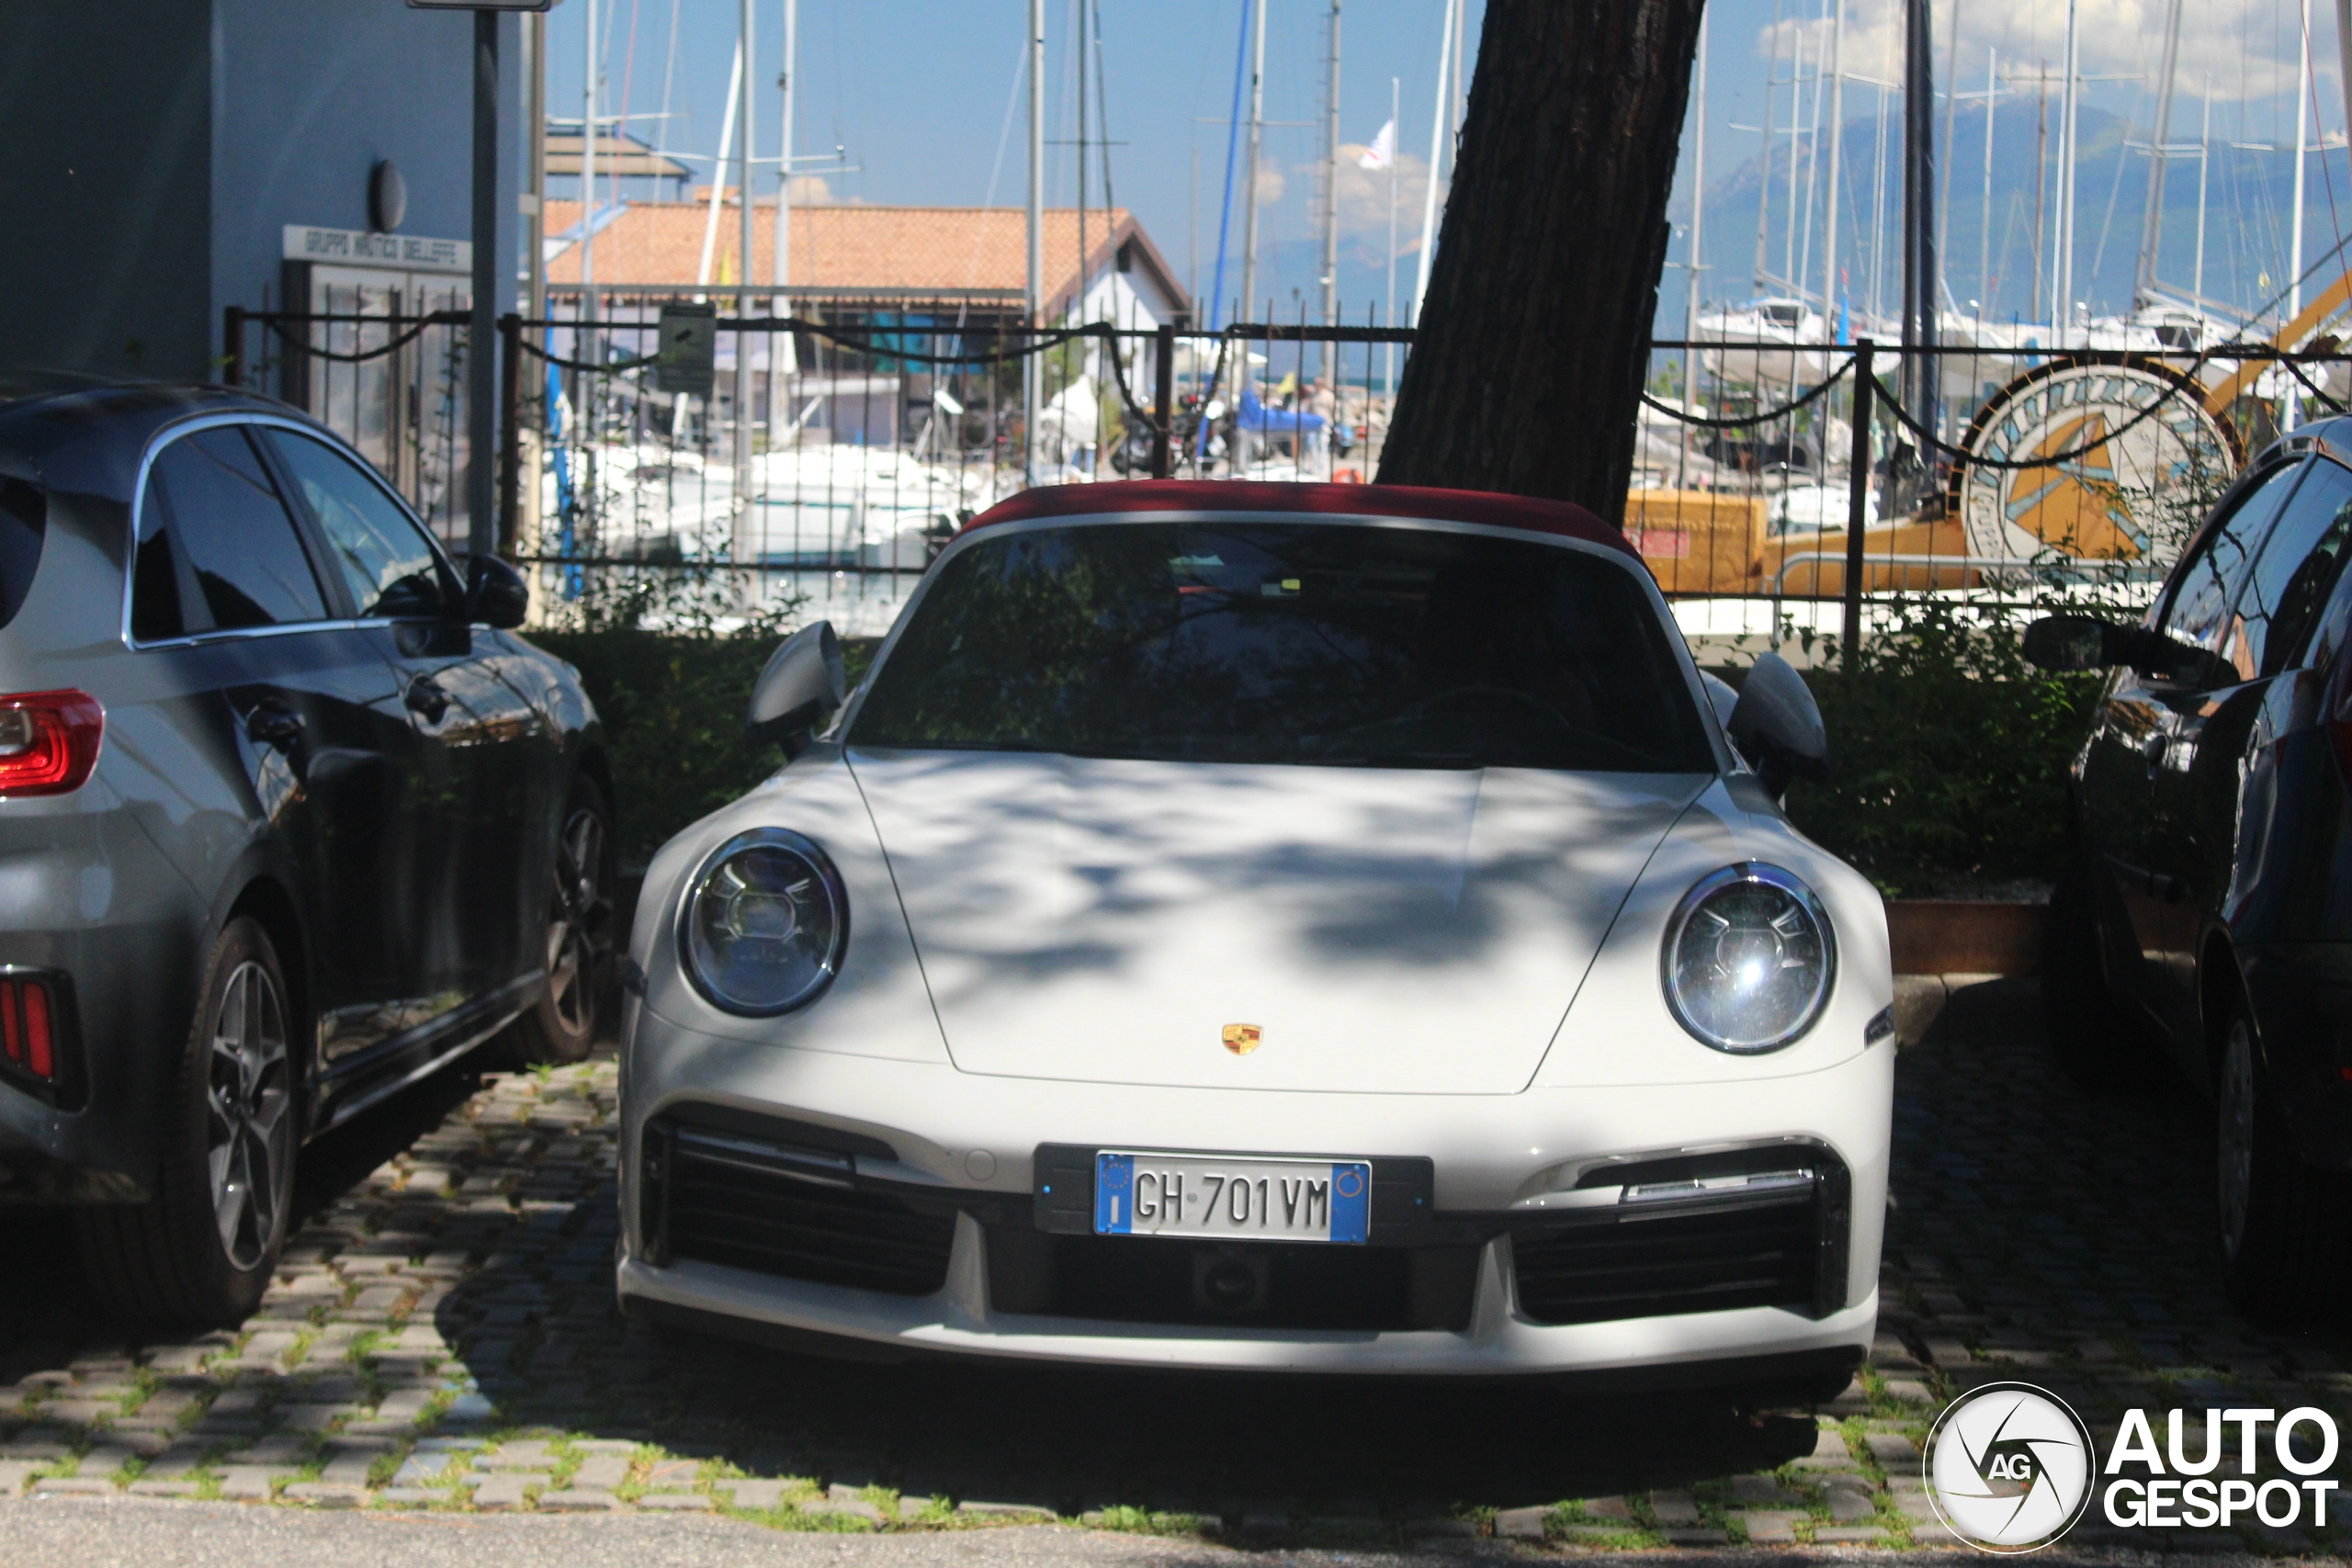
(1526, 375)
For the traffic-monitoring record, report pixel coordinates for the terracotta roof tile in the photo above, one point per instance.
(918, 249)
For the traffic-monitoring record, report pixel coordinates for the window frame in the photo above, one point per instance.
(2304, 636)
(341, 614)
(2295, 468)
(453, 582)
(1728, 762)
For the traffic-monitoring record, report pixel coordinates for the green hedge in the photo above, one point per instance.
(1948, 756)
(673, 708)
(1947, 751)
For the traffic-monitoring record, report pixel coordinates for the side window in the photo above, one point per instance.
(2208, 585)
(2293, 575)
(217, 548)
(385, 558)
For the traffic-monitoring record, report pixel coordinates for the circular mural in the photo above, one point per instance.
(2121, 488)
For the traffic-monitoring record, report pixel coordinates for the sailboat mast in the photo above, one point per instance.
(1951, 147)
(1771, 101)
(1078, 19)
(2041, 180)
(2295, 230)
(1803, 270)
(1032, 292)
(1437, 146)
(1919, 275)
(2152, 235)
(781, 356)
(1250, 201)
(2061, 313)
(1331, 179)
(1984, 229)
(1796, 129)
(1396, 138)
(2204, 162)
(1453, 97)
(588, 172)
(746, 538)
(1698, 230)
(1836, 137)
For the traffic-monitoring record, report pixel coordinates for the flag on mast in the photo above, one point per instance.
(1381, 154)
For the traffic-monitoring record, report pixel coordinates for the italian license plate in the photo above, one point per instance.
(1231, 1200)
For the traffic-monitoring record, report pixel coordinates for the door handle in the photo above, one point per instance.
(274, 723)
(424, 695)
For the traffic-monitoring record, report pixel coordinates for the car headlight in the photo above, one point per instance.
(1748, 959)
(763, 924)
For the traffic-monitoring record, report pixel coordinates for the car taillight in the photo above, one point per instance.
(49, 742)
(34, 1033)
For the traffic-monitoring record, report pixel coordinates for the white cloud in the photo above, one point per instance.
(1271, 185)
(1363, 199)
(2247, 46)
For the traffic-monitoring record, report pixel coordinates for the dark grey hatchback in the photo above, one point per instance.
(288, 819)
(2208, 915)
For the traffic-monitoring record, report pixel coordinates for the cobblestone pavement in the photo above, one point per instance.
(442, 1337)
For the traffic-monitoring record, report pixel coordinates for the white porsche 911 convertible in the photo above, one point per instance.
(1298, 927)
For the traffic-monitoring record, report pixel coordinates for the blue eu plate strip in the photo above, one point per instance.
(1114, 1194)
(1350, 1202)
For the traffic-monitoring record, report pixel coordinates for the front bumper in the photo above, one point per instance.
(959, 1147)
(88, 901)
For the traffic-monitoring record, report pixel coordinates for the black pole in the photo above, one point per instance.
(510, 424)
(1163, 394)
(1926, 408)
(233, 344)
(1914, 116)
(1857, 497)
(481, 332)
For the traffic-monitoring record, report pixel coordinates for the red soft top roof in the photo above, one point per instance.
(1560, 517)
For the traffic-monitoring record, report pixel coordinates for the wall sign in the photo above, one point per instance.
(356, 247)
(687, 360)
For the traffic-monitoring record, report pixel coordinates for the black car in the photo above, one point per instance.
(288, 819)
(2208, 913)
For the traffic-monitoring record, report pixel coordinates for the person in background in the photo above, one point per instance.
(1319, 402)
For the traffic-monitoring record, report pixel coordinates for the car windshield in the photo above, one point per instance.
(1337, 644)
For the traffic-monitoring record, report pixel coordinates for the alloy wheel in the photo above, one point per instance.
(579, 905)
(249, 1144)
(2236, 1135)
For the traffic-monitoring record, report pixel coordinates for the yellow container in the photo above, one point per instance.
(1699, 541)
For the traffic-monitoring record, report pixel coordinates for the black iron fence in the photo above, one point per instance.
(824, 457)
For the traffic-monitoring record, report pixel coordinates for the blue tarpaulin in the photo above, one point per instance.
(1256, 416)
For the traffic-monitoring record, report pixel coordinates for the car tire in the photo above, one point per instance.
(2089, 1033)
(2285, 1224)
(200, 1252)
(562, 1025)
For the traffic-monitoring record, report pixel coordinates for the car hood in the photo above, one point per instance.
(1409, 932)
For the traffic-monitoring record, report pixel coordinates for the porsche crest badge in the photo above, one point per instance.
(1242, 1038)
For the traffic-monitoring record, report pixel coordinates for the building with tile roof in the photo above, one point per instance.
(973, 254)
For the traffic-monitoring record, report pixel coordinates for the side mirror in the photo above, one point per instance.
(2065, 643)
(496, 595)
(803, 684)
(1777, 725)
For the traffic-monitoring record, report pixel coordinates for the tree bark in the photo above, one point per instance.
(1526, 373)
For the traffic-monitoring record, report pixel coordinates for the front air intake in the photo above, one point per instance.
(753, 1200)
(1697, 1236)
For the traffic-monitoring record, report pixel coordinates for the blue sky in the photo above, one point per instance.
(917, 91)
